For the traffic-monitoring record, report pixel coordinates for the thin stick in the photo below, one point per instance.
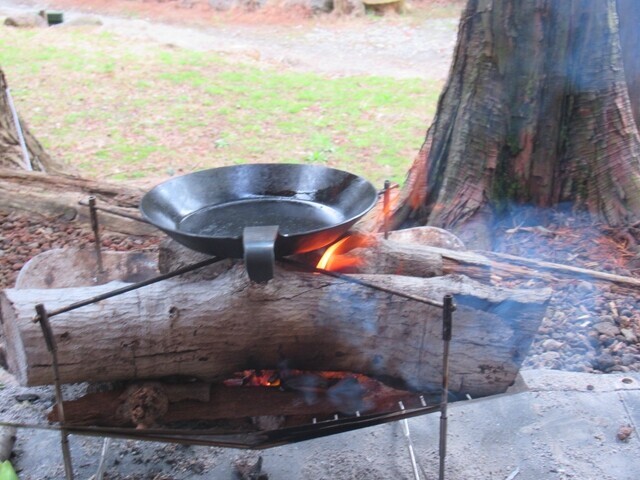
(407, 434)
(16, 122)
(49, 339)
(95, 226)
(447, 322)
(103, 458)
(357, 281)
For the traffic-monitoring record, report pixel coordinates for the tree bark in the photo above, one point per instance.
(536, 110)
(212, 328)
(11, 154)
(58, 196)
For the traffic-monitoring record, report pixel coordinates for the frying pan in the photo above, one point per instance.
(259, 211)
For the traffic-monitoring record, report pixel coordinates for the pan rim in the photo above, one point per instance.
(350, 220)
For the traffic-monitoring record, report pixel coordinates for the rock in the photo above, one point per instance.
(605, 362)
(585, 287)
(26, 20)
(223, 5)
(628, 359)
(629, 336)
(607, 328)
(552, 345)
(550, 359)
(432, 236)
(314, 6)
(249, 469)
(248, 5)
(624, 432)
(349, 7)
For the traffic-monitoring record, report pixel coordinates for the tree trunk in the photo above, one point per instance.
(11, 153)
(212, 328)
(536, 110)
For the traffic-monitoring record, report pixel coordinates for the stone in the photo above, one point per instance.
(432, 236)
(552, 345)
(26, 20)
(585, 287)
(248, 5)
(314, 6)
(349, 7)
(629, 336)
(607, 328)
(605, 362)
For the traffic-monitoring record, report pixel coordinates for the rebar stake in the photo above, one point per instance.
(386, 207)
(95, 226)
(43, 319)
(447, 321)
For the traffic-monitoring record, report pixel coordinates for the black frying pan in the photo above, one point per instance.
(258, 211)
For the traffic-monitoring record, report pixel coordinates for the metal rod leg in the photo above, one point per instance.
(43, 318)
(447, 321)
(95, 226)
(386, 207)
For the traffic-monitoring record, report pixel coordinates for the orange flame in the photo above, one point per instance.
(334, 258)
(254, 378)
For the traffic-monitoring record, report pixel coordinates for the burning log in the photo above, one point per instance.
(209, 328)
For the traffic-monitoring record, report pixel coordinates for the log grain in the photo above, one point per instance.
(208, 329)
(58, 196)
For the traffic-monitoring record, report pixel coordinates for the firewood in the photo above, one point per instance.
(77, 267)
(58, 196)
(208, 329)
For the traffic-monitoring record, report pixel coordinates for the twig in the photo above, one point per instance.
(407, 434)
(16, 121)
(513, 474)
(103, 458)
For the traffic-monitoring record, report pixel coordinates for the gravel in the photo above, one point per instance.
(22, 237)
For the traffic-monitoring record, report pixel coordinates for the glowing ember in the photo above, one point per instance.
(254, 378)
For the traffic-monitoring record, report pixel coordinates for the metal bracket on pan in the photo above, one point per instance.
(259, 255)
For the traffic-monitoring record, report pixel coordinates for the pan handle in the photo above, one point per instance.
(259, 254)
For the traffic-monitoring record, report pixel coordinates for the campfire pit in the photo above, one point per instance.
(351, 323)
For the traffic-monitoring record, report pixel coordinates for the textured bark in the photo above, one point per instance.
(210, 329)
(11, 155)
(536, 110)
(58, 196)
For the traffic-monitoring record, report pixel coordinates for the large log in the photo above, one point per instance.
(58, 196)
(210, 328)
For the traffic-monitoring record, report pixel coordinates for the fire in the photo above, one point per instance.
(254, 378)
(337, 256)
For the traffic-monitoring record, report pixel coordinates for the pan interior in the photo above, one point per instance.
(293, 217)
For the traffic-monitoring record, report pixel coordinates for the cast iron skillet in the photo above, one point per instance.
(258, 211)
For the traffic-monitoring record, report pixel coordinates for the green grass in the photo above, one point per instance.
(124, 111)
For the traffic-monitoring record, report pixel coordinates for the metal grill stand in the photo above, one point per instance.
(264, 439)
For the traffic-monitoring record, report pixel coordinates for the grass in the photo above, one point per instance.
(122, 110)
